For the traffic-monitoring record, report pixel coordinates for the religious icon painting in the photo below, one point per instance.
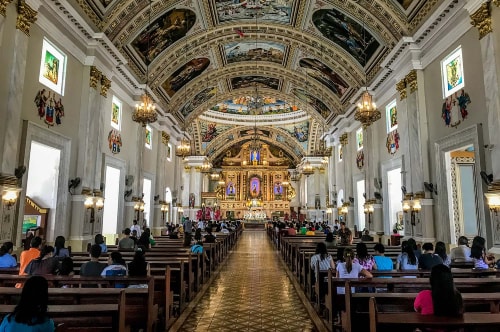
(49, 107)
(114, 141)
(391, 116)
(52, 67)
(148, 135)
(360, 159)
(392, 142)
(116, 113)
(452, 72)
(359, 139)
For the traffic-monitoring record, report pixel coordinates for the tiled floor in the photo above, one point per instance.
(252, 293)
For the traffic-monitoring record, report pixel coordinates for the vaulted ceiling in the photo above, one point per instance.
(219, 66)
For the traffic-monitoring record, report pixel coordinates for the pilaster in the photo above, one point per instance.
(377, 219)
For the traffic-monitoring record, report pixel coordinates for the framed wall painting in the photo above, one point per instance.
(116, 113)
(148, 137)
(359, 139)
(52, 67)
(391, 116)
(452, 72)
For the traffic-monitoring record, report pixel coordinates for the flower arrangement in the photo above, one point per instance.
(398, 226)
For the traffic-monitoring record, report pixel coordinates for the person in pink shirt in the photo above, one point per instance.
(443, 299)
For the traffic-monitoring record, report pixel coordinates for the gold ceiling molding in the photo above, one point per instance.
(412, 81)
(3, 7)
(344, 139)
(105, 85)
(25, 17)
(422, 14)
(481, 19)
(95, 77)
(401, 88)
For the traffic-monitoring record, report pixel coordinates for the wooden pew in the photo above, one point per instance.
(85, 317)
(380, 321)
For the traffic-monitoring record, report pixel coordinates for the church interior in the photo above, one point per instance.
(382, 114)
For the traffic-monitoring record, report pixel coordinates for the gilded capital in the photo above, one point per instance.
(3, 7)
(25, 17)
(165, 138)
(105, 85)
(401, 87)
(95, 77)
(344, 139)
(411, 80)
(481, 19)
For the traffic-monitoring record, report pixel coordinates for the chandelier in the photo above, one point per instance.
(367, 112)
(183, 149)
(145, 112)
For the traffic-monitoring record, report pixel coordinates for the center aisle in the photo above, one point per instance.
(251, 293)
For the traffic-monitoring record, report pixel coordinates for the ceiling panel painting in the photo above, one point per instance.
(283, 139)
(347, 33)
(325, 75)
(210, 130)
(317, 104)
(184, 75)
(242, 82)
(198, 100)
(276, 11)
(251, 51)
(251, 133)
(299, 131)
(247, 105)
(163, 32)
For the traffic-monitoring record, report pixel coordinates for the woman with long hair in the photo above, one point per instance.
(440, 250)
(99, 239)
(407, 259)
(30, 314)
(46, 263)
(138, 266)
(363, 258)
(443, 299)
(144, 239)
(6, 259)
(478, 253)
(60, 250)
(322, 257)
(350, 269)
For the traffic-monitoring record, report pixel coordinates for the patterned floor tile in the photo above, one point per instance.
(252, 293)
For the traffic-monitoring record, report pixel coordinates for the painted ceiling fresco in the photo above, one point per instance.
(347, 33)
(242, 82)
(163, 32)
(210, 130)
(276, 11)
(249, 105)
(298, 131)
(254, 51)
(317, 104)
(325, 75)
(199, 99)
(183, 75)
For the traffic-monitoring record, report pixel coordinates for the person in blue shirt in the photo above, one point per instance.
(6, 259)
(30, 315)
(99, 239)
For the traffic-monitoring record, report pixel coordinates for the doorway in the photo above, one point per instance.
(42, 183)
(112, 193)
(462, 199)
(360, 203)
(394, 192)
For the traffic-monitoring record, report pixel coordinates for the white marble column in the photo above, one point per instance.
(3, 14)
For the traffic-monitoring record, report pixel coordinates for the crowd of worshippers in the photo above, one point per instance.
(443, 298)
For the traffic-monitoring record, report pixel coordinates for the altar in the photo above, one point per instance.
(255, 216)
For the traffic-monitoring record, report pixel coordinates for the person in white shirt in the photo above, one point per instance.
(461, 254)
(137, 228)
(350, 269)
(201, 224)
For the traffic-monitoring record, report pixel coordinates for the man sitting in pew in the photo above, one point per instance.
(126, 242)
(94, 267)
(429, 258)
(461, 254)
(116, 265)
(6, 259)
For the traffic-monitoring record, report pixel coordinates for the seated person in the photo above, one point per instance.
(46, 263)
(197, 248)
(116, 265)
(310, 231)
(383, 263)
(133, 236)
(138, 267)
(366, 236)
(209, 238)
(126, 242)
(94, 267)
(99, 239)
(461, 254)
(428, 259)
(6, 259)
(59, 249)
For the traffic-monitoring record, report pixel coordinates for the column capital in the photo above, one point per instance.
(344, 139)
(411, 80)
(105, 85)
(25, 17)
(95, 77)
(401, 88)
(481, 19)
(3, 7)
